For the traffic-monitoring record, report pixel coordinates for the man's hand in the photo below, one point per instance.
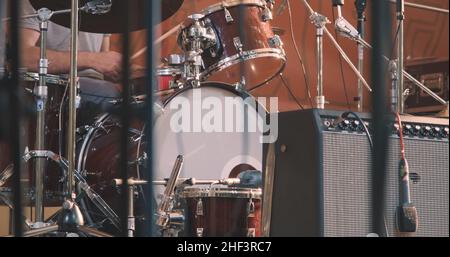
(108, 63)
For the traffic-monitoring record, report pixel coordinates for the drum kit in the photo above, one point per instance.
(214, 186)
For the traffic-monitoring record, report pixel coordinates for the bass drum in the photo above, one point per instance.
(99, 159)
(212, 128)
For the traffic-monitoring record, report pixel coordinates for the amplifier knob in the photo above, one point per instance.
(416, 130)
(344, 124)
(444, 132)
(436, 132)
(426, 131)
(408, 130)
(355, 125)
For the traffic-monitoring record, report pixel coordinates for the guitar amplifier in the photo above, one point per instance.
(322, 179)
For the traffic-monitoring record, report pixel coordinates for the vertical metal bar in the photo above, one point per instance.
(320, 100)
(361, 6)
(131, 219)
(381, 38)
(242, 37)
(401, 55)
(153, 18)
(125, 120)
(72, 97)
(41, 103)
(16, 114)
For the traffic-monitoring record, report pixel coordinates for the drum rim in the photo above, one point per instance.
(228, 87)
(222, 192)
(50, 78)
(229, 4)
(245, 56)
(169, 71)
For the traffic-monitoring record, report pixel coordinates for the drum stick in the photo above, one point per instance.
(157, 41)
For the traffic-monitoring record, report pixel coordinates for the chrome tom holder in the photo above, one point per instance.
(193, 40)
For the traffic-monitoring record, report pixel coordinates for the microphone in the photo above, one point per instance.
(360, 9)
(97, 7)
(343, 27)
(245, 179)
(407, 217)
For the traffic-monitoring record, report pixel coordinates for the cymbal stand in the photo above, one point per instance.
(73, 215)
(40, 92)
(315, 16)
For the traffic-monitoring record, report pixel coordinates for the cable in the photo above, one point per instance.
(290, 92)
(366, 130)
(400, 130)
(298, 52)
(344, 83)
(369, 137)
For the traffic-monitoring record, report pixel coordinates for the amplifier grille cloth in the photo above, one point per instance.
(347, 185)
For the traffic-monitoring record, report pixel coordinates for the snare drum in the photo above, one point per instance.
(222, 211)
(253, 47)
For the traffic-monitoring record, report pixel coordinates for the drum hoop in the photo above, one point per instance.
(169, 71)
(250, 193)
(221, 85)
(51, 79)
(87, 141)
(228, 87)
(245, 56)
(231, 3)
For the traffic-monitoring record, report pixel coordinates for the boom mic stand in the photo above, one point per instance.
(400, 55)
(348, 31)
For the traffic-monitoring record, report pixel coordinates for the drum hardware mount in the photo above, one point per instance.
(90, 193)
(132, 184)
(193, 40)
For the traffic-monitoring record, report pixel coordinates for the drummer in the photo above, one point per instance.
(99, 68)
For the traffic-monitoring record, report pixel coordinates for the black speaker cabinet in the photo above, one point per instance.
(322, 182)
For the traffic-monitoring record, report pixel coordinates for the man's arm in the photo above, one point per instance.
(106, 62)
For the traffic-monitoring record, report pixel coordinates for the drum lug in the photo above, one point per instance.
(267, 14)
(199, 232)
(240, 86)
(251, 232)
(238, 45)
(199, 209)
(228, 16)
(251, 208)
(276, 42)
